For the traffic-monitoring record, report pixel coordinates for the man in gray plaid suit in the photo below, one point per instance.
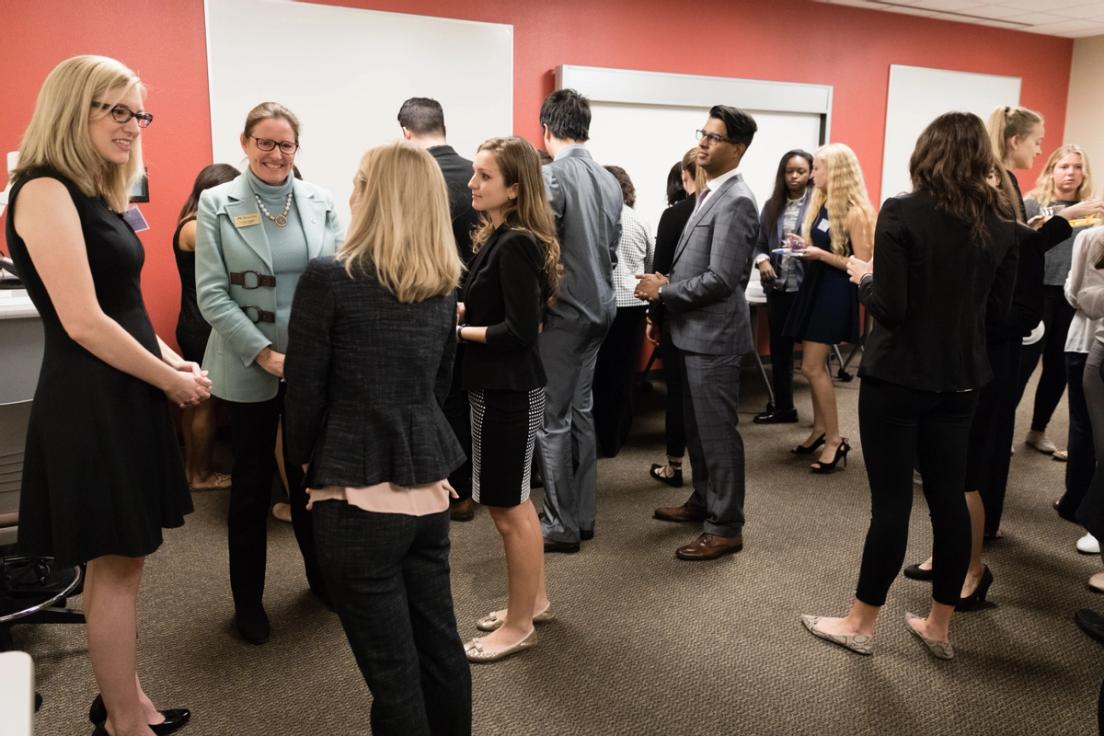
(709, 323)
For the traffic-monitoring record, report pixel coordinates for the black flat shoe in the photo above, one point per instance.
(809, 449)
(915, 572)
(1092, 623)
(823, 468)
(674, 481)
(567, 548)
(175, 719)
(776, 417)
(586, 534)
(253, 626)
(976, 598)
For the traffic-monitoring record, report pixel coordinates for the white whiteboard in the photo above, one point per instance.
(917, 96)
(646, 140)
(345, 72)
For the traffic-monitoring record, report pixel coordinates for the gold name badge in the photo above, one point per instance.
(246, 220)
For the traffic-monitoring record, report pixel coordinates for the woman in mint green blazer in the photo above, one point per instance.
(254, 238)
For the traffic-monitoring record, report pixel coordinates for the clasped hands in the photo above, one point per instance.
(857, 268)
(190, 386)
(647, 287)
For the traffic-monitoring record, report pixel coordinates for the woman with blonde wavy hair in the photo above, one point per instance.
(102, 470)
(368, 366)
(839, 223)
(1066, 180)
(512, 277)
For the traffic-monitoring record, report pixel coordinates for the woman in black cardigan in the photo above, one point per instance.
(938, 254)
(510, 279)
(371, 343)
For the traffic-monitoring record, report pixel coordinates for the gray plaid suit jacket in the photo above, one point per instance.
(705, 297)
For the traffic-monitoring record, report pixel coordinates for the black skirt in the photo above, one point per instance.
(504, 429)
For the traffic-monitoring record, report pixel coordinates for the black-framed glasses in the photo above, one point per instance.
(713, 137)
(267, 144)
(122, 114)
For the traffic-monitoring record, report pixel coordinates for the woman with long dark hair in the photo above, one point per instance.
(939, 253)
(192, 332)
(511, 278)
(781, 274)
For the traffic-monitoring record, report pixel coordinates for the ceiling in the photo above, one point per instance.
(1069, 18)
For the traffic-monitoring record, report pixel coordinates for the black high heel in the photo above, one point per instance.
(810, 449)
(823, 468)
(175, 719)
(976, 598)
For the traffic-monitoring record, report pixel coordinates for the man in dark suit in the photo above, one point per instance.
(709, 323)
(423, 124)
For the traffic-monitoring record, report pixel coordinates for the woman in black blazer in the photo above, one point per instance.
(510, 279)
(668, 232)
(371, 343)
(939, 253)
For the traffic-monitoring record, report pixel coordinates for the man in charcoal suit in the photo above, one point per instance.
(709, 324)
(423, 124)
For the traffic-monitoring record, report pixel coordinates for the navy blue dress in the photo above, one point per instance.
(826, 309)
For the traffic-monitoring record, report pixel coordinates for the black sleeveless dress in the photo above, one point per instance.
(192, 330)
(102, 472)
(826, 309)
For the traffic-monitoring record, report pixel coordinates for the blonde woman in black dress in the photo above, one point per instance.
(510, 280)
(102, 471)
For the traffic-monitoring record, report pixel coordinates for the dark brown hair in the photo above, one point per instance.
(210, 176)
(952, 159)
(628, 191)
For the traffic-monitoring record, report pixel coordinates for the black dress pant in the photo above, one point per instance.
(388, 577)
(613, 379)
(1005, 360)
(253, 427)
(1057, 315)
(901, 427)
(1082, 452)
(458, 412)
(674, 430)
(781, 348)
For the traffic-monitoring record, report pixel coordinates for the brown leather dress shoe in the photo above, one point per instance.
(685, 512)
(462, 510)
(710, 547)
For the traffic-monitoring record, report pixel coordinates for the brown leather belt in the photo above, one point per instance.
(240, 278)
(256, 314)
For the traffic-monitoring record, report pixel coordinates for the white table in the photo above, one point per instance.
(16, 694)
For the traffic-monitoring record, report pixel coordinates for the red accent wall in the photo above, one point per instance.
(785, 40)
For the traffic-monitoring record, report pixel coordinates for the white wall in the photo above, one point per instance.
(1085, 108)
(345, 72)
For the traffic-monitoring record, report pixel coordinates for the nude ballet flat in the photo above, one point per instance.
(858, 643)
(491, 622)
(476, 654)
(938, 649)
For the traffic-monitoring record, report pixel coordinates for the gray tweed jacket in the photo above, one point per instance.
(366, 377)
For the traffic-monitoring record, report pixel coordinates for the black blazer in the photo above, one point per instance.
(366, 377)
(505, 291)
(458, 172)
(668, 232)
(931, 284)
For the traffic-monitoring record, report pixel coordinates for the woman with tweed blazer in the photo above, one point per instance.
(368, 366)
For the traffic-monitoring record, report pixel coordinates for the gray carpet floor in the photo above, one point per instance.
(644, 643)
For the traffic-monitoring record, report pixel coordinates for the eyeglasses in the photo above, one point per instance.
(712, 137)
(122, 114)
(267, 144)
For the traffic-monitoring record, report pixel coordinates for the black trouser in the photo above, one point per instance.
(613, 379)
(1082, 452)
(1004, 428)
(781, 348)
(674, 429)
(388, 577)
(458, 412)
(901, 427)
(1057, 314)
(253, 426)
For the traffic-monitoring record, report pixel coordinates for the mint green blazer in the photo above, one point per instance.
(223, 247)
